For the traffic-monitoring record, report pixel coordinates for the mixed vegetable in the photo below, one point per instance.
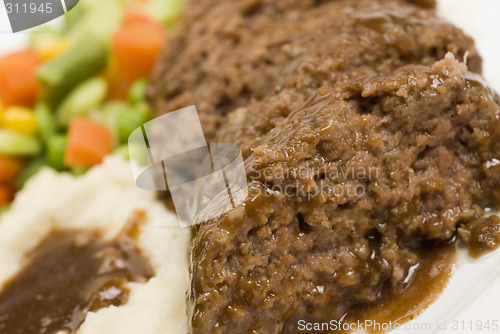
(77, 92)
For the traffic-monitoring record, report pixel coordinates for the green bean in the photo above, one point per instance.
(46, 121)
(82, 61)
(100, 20)
(14, 143)
(56, 149)
(82, 99)
(73, 17)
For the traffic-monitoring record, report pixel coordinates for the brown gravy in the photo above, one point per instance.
(71, 273)
(419, 290)
(395, 304)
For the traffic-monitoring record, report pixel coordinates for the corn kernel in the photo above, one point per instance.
(51, 47)
(20, 119)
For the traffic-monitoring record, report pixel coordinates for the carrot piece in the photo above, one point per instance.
(17, 78)
(88, 143)
(136, 46)
(9, 170)
(119, 85)
(6, 195)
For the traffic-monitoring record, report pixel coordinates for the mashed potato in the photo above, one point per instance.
(105, 199)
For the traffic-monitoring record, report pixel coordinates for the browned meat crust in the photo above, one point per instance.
(229, 53)
(362, 144)
(388, 162)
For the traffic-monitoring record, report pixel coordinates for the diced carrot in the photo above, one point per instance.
(9, 170)
(119, 85)
(136, 46)
(17, 78)
(2, 114)
(119, 88)
(88, 143)
(6, 195)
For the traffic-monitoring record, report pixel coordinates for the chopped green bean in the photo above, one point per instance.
(73, 17)
(99, 21)
(14, 143)
(86, 96)
(82, 61)
(46, 121)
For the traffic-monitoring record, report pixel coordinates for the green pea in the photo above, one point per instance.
(79, 171)
(56, 149)
(107, 114)
(137, 92)
(128, 121)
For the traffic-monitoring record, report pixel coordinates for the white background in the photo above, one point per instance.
(474, 291)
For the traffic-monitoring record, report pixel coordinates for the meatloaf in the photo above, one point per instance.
(368, 135)
(344, 193)
(230, 53)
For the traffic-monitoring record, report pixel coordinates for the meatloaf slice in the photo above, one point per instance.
(344, 192)
(362, 146)
(229, 53)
